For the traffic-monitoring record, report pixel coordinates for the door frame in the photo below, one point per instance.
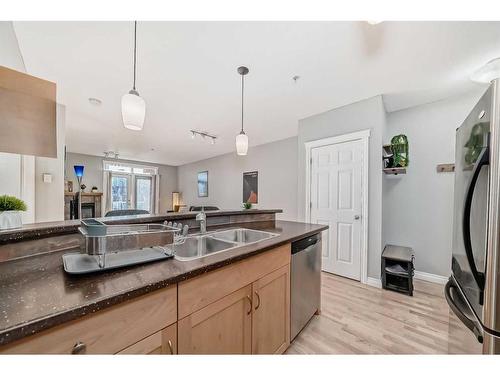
(364, 136)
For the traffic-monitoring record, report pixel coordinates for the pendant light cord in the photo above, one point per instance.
(135, 50)
(242, 94)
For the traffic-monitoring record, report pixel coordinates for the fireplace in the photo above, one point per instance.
(91, 205)
(88, 210)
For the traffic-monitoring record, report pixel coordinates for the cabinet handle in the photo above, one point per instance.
(170, 347)
(258, 300)
(79, 348)
(249, 301)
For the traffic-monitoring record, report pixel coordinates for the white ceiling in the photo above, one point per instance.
(187, 76)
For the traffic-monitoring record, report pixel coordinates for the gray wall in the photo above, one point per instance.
(93, 175)
(276, 163)
(49, 197)
(366, 114)
(418, 206)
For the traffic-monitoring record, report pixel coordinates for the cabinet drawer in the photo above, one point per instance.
(200, 291)
(162, 342)
(107, 331)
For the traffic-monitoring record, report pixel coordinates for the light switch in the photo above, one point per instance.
(47, 178)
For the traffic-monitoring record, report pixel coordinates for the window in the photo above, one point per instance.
(130, 186)
(130, 168)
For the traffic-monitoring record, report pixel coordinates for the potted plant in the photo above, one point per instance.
(247, 205)
(10, 212)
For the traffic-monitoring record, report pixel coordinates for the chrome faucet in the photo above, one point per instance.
(202, 218)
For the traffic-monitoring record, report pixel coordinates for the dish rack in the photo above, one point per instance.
(113, 246)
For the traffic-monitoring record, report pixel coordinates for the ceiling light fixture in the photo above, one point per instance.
(133, 106)
(111, 154)
(203, 135)
(488, 72)
(242, 138)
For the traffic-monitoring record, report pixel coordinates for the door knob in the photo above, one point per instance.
(356, 217)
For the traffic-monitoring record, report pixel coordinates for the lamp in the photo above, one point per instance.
(176, 201)
(79, 176)
(242, 138)
(487, 73)
(133, 106)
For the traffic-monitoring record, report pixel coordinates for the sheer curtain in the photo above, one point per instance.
(156, 200)
(106, 193)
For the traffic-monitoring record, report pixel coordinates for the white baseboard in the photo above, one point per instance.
(419, 275)
(373, 281)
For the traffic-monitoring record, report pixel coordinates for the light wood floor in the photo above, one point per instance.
(359, 319)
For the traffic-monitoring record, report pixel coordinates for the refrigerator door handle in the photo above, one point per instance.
(484, 159)
(470, 324)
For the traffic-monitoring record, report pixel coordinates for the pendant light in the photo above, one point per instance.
(242, 139)
(133, 106)
(487, 73)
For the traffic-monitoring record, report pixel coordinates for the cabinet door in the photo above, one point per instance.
(223, 327)
(271, 314)
(161, 342)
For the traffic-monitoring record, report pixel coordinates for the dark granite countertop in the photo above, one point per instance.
(38, 230)
(36, 293)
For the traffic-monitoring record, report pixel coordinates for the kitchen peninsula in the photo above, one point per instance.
(234, 301)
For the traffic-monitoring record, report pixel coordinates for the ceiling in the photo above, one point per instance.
(187, 76)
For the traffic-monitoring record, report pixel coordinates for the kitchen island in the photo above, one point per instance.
(157, 307)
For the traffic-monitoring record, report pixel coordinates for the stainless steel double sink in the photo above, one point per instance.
(198, 246)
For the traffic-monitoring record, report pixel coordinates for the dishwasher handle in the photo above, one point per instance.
(305, 243)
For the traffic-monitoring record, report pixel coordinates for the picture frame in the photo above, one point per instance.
(203, 184)
(251, 187)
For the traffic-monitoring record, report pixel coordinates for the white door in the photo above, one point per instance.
(336, 200)
(143, 193)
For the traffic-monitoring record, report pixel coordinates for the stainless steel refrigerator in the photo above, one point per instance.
(473, 290)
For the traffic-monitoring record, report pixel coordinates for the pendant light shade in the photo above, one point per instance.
(242, 138)
(133, 110)
(242, 144)
(133, 106)
(487, 73)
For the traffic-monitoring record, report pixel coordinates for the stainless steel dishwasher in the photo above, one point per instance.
(305, 287)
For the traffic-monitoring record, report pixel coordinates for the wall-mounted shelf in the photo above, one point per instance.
(395, 171)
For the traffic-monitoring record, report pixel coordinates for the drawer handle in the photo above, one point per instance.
(170, 347)
(249, 301)
(258, 300)
(79, 348)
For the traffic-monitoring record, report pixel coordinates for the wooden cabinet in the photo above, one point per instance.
(271, 314)
(243, 308)
(105, 332)
(255, 319)
(200, 291)
(161, 342)
(223, 327)
(28, 110)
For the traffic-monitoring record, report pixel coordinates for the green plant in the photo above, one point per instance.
(247, 205)
(10, 203)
